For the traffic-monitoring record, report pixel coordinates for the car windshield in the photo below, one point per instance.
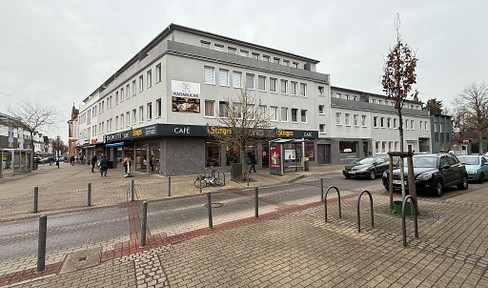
(363, 161)
(422, 162)
(469, 160)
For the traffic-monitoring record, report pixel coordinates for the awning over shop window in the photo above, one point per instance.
(115, 144)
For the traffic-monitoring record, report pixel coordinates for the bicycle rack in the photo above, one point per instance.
(325, 201)
(415, 225)
(371, 203)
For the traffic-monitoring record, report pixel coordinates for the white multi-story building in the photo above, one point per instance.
(161, 101)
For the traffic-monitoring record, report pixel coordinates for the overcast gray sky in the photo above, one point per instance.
(59, 51)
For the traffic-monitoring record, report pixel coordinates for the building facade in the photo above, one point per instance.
(162, 107)
(442, 133)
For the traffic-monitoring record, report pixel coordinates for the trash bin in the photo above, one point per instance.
(110, 164)
(306, 165)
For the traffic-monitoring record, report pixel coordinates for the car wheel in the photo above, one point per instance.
(438, 188)
(482, 178)
(464, 184)
(372, 175)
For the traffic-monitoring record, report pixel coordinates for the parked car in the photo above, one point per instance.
(433, 172)
(476, 166)
(369, 167)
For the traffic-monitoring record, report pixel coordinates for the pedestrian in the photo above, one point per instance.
(126, 163)
(103, 166)
(93, 162)
(252, 158)
(151, 162)
(72, 160)
(57, 162)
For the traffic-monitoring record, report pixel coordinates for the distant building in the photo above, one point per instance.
(73, 133)
(442, 133)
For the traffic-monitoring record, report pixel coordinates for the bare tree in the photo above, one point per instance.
(398, 78)
(30, 117)
(472, 110)
(244, 121)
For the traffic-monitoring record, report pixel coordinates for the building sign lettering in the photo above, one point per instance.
(285, 133)
(136, 132)
(213, 130)
(182, 130)
(185, 89)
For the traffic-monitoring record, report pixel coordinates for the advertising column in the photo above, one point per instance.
(275, 159)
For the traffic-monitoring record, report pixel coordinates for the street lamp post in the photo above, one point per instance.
(57, 157)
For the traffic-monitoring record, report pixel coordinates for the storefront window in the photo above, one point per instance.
(212, 154)
(265, 156)
(348, 149)
(232, 154)
(309, 151)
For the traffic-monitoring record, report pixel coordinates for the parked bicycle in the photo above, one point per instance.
(211, 177)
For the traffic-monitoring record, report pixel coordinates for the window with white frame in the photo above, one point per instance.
(205, 44)
(347, 120)
(377, 146)
(284, 86)
(406, 124)
(395, 123)
(141, 83)
(273, 82)
(149, 111)
(262, 111)
(338, 116)
(293, 87)
(255, 56)
(117, 98)
(296, 64)
(322, 128)
(141, 113)
(321, 109)
(375, 122)
(284, 114)
(158, 107)
(356, 120)
(303, 116)
(149, 78)
(122, 123)
(236, 79)
(249, 81)
(116, 122)
(244, 53)
(237, 110)
(321, 91)
(209, 75)
(134, 88)
(262, 83)
(273, 113)
(134, 116)
(303, 89)
(420, 125)
(231, 50)
(294, 115)
(127, 118)
(276, 60)
(223, 77)
(382, 122)
(266, 58)
(383, 147)
(412, 125)
(223, 109)
(158, 73)
(219, 47)
(286, 62)
(210, 108)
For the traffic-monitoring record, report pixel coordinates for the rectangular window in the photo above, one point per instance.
(321, 91)
(223, 77)
(255, 56)
(388, 122)
(356, 120)
(296, 64)
(284, 114)
(303, 116)
(286, 62)
(266, 58)
(322, 128)
(338, 118)
(219, 47)
(249, 81)
(158, 73)
(293, 88)
(209, 75)
(209, 108)
(347, 120)
(382, 122)
(412, 125)
(231, 50)
(284, 86)
(273, 82)
(236, 79)
(321, 109)
(262, 83)
(141, 114)
(294, 115)
(149, 79)
(273, 113)
(237, 108)
(149, 111)
(395, 123)
(276, 60)
(244, 53)
(117, 98)
(223, 109)
(134, 88)
(303, 89)
(420, 125)
(141, 83)
(134, 116)
(262, 112)
(158, 107)
(116, 122)
(363, 120)
(205, 44)
(375, 122)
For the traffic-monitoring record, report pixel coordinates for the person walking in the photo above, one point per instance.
(103, 166)
(126, 163)
(72, 160)
(94, 162)
(151, 162)
(252, 158)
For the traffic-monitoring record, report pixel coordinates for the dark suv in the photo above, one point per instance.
(432, 172)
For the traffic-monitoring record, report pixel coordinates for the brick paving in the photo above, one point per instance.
(293, 246)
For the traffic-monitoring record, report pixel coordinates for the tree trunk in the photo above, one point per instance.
(243, 162)
(480, 139)
(402, 169)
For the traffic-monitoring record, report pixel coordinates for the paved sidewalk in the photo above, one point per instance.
(66, 189)
(301, 250)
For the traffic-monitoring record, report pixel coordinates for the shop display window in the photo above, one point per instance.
(309, 151)
(212, 154)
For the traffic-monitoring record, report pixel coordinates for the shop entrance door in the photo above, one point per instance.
(265, 156)
(323, 153)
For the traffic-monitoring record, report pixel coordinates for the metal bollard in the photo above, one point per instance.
(210, 220)
(36, 198)
(144, 224)
(200, 182)
(89, 194)
(322, 189)
(169, 186)
(132, 190)
(41, 247)
(256, 203)
(247, 178)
